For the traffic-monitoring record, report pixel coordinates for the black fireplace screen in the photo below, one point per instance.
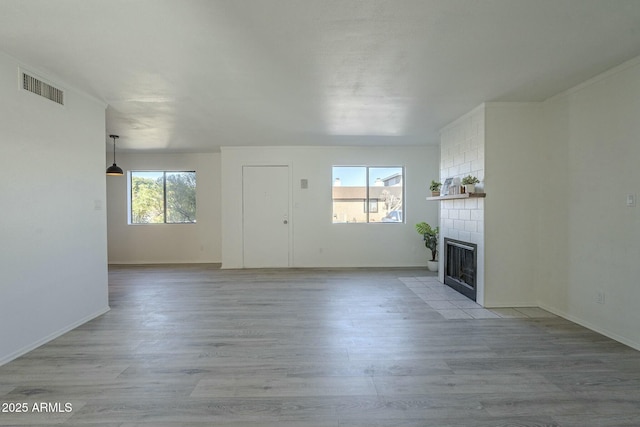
(460, 265)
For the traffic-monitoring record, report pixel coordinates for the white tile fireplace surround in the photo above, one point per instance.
(462, 154)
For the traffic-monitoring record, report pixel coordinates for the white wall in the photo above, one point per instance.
(462, 147)
(588, 236)
(166, 243)
(53, 251)
(511, 208)
(316, 241)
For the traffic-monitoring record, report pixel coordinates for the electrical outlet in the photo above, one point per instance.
(600, 297)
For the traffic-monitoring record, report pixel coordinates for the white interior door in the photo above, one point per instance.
(265, 216)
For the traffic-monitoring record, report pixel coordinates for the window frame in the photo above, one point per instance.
(164, 196)
(368, 199)
(373, 205)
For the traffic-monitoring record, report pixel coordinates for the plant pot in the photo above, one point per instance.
(470, 188)
(435, 193)
(432, 265)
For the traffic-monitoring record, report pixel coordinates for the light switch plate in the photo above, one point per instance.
(304, 183)
(631, 200)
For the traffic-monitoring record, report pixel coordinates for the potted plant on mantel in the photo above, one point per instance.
(435, 188)
(430, 236)
(469, 183)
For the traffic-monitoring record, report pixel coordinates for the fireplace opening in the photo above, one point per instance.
(460, 266)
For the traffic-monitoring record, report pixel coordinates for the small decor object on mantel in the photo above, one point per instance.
(435, 188)
(444, 191)
(469, 183)
(430, 236)
(455, 187)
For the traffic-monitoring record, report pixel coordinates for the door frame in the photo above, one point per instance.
(289, 167)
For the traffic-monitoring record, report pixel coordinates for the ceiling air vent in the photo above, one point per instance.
(41, 88)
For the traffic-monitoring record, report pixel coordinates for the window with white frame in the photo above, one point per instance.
(368, 194)
(162, 197)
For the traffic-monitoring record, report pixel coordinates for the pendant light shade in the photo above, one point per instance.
(114, 169)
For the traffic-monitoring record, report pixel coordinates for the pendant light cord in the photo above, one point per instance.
(114, 147)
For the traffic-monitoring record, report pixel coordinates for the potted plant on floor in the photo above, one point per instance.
(469, 183)
(435, 188)
(430, 235)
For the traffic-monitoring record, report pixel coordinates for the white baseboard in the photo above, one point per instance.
(8, 358)
(581, 322)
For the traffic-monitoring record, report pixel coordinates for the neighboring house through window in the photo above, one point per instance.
(162, 197)
(368, 194)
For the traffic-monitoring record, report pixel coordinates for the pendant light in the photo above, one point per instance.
(114, 169)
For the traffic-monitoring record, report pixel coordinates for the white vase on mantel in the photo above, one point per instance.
(470, 188)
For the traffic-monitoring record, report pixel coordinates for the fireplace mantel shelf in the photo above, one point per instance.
(458, 196)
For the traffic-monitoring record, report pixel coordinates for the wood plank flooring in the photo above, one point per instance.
(197, 346)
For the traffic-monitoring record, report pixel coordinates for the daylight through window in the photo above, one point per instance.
(368, 194)
(161, 197)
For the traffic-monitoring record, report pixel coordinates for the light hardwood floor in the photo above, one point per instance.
(198, 346)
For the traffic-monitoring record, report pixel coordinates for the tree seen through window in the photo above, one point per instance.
(163, 197)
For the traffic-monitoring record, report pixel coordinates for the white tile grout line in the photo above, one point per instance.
(453, 305)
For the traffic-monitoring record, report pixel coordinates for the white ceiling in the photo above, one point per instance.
(194, 75)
